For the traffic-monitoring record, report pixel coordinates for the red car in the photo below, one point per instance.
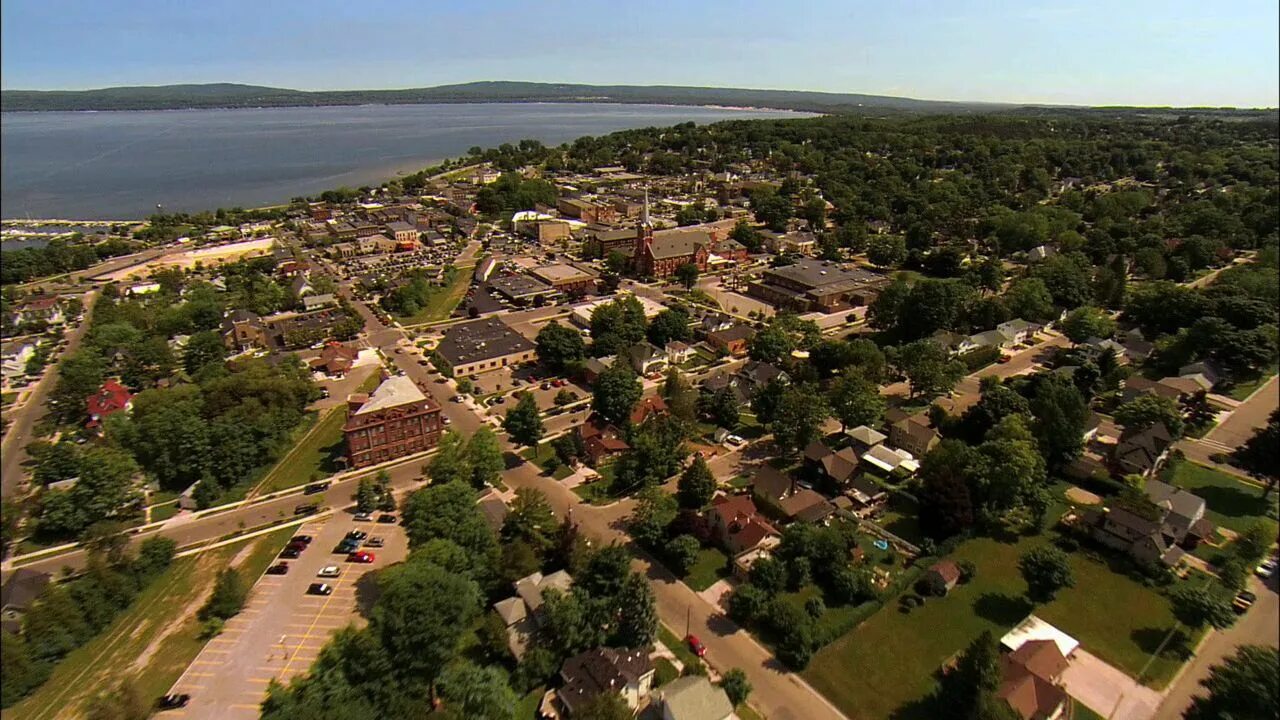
(360, 557)
(696, 646)
(1003, 359)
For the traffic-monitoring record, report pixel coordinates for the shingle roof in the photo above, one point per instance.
(693, 697)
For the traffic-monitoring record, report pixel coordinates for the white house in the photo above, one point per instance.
(678, 352)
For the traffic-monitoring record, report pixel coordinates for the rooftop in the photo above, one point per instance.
(395, 390)
(481, 340)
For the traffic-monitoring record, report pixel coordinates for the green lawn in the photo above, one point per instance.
(1240, 391)
(528, 707)
(164, 512)
(712, 565)
(1231, 503)
(1080, 712)
(316, 452)
(901, 518)
(442, 300)
(111, 656)
(897, 654)
(595, 492)
(664, 672)
(677, 646)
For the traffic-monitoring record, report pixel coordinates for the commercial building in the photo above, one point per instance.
(520, 289)
(566, 278)
(587, 211)
(398, 419)
(808, 285)
(482, 346)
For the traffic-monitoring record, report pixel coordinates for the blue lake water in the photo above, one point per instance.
(120, 165)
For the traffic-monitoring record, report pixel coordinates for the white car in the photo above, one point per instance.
(1266, 569)
(329, 571)
(735, 441)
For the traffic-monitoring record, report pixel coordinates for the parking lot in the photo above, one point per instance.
(282, 628)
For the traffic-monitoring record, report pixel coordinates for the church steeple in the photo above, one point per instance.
(644, 214)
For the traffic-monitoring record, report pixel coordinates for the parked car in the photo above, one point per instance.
(291, 553)
(278, 569)
(1002, 359)
(305, 509)
(387, 519)
(374, 542)
(304, 539)
(357, 535)
(1243, 601)
(319, 589)
(329, 571)
(173, 701)
(735, 441)
(1266, 569)
(316, 487)
(300, 547)
(361, 557)
(346, 547)
(363, 517)
(696, 646)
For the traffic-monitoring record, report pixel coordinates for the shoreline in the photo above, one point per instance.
(313, 106)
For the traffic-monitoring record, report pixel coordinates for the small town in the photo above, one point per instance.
(846, 418)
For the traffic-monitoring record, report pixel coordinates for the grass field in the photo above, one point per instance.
(712, 565)
(897, 654)
(1240, 391)
(443, 300)
(677, 646)
(1231, 503)
(1080, 712)
(154, 640)
(315, 452)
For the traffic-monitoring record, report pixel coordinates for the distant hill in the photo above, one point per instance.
(231, 95)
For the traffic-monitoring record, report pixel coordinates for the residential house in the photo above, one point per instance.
(600, 441)
(733, 341)
(805, 505)
(732, 383)
(13, 360)
(523, 612)
(494, 509)
(1018, 330)
(942, 576)
(914, 435)
(693, 697)
(1184, 521)
(645, 358)
(715, 322)
(316, 302)
(1031, 680)
(1158, 529)
(755, 375)
(991, 338)
(111, 397)
(335, 359)
(649, 406)
(738, 526)
(837, 467)
(865, 494)
(678, 352)
(864, 438)
(46, 309)
(593, 368)
(1142, 452)
(889, 460)
(242, 329)
(624, 672)
(17, 594)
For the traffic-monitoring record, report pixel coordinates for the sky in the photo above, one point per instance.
(1087, 52)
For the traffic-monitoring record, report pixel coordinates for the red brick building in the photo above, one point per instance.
(397, 420)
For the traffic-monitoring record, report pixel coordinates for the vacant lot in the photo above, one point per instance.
(153, 641)
(1232, 504)
(897, 654)
(316, 452)
(443, 300)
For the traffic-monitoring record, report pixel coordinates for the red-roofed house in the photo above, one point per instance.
(737, 524)
(652, 406)
(1030, 680)
(112, 397)
(335, 360)
(600, 440)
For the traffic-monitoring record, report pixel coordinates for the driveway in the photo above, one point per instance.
(1108, 691)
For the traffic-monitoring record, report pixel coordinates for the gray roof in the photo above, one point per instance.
(867, 436)
(481, 340)
(817, 273)
(693, 697)
(519, 286)
(395, 390)
(676, 243)
(23, 587)
(1175, 499)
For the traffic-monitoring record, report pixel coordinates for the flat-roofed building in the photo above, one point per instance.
(520, 289)
(482, 346)
(565, 278)
(398, 419)
(810, 284)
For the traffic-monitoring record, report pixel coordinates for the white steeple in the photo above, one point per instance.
(644, 214)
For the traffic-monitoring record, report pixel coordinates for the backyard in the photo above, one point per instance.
(1098, 612)
(1232, 504)
(712, 564)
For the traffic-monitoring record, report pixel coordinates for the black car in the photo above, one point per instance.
(305, 509)
(357, 535)
(278, 569)
(346, 547)
(320, 589)
(173, 702)
(291, 553)
(387, 519)
(316, 487)
(305, 539)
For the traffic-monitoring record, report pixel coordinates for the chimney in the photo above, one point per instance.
(354, 401)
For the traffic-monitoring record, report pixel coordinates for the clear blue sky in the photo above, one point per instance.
(1166, 52)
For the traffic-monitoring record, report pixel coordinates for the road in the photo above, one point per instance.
(1257, 627)
(966, 391)
(1236, 429)
(13, 448)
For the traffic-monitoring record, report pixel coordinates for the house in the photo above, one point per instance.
(46, 309)
(243, 329)
(716, 383)
(1031, 681)
(316, 302)
(805, 505)
(991, 338)
(693, 697)
(649, 406)
(111, 397)
(13, 360)
(300, 286)
(1142, 452)
(755, 375)
(942, 576)
(494, 509)
(678, 352)
(738, 526)
(17, 594)
(715, 322)
(1018, 330)
(770, 484)
(913, 435)
(335, 359)
(593, 368)
(837, 467)
(1040, 252)
(1135, 386)
(1207, 369)
(398, 419)
(865, 494)
(600, 440)
(864, 438)
(1159, 528)
(1184, 520)
(645, 358)
(732, 340)
(624, 672)
(523, 612)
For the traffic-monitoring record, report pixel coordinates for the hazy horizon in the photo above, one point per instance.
(1074, 52)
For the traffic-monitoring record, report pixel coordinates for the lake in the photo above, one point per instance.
(120, 165)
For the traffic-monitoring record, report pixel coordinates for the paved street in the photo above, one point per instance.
(282, 629)
(1236, 429)
(13, 447)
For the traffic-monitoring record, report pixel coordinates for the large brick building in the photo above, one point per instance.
(398, 419)
(809, 284)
